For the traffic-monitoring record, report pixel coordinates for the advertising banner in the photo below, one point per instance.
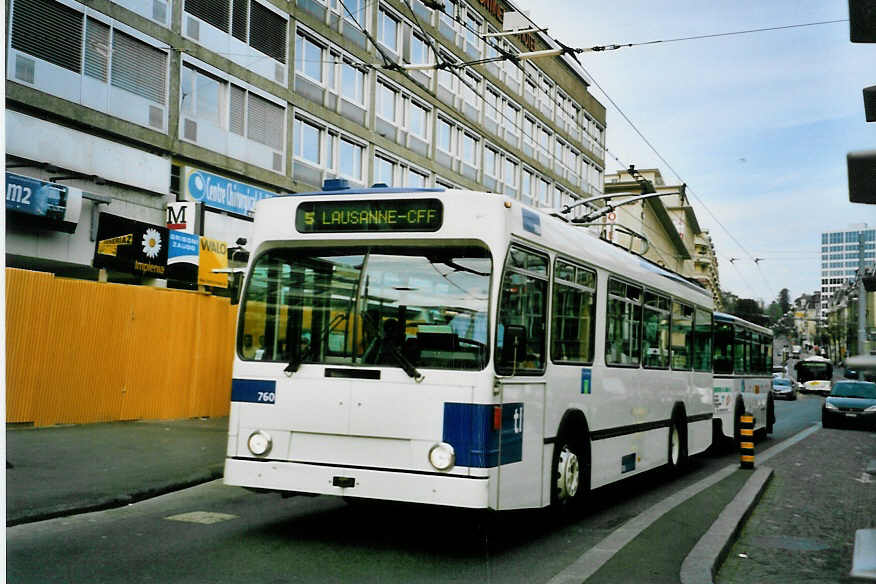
(50, 205)
(221, 193)
(126, 245)
(213, 255)
(183, 257)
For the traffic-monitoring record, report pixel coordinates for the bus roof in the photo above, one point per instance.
(724, 317)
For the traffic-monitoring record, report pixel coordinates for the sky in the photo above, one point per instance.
(757, 125)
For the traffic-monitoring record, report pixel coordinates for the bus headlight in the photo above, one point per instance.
(441, 456)
(259, 443)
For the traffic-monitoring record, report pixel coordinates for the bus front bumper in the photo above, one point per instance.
(411, 487)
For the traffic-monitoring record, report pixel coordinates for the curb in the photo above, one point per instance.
(114, 502)
(703, 561)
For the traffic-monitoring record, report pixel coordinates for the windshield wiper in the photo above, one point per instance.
(405, 363)
(298, 357)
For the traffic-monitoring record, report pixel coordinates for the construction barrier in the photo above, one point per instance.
(746, 441)
(80, 351)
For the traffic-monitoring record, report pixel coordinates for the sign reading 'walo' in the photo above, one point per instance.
(127, 245)
(221, 193)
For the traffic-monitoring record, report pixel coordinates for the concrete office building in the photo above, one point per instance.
(843, 253)
(130, 106)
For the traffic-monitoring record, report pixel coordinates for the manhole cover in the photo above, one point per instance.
(787, 542)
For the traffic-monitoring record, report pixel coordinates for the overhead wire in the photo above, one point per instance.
(654, 149)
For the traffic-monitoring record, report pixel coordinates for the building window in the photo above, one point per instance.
(387, 30)
(469, 149)
(351, 160)
(309, 57)
(386, 102)
(418, 117)
(445, 135)
(249, 22)
(472, 34)
(308, 141)
(352, 83)
(201, 94)
(420, 52)
(384, 171)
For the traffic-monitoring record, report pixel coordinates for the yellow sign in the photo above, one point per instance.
(799, 314)
(212, 254)
(110, 246)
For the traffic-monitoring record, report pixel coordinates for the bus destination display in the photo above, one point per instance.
(382, 215)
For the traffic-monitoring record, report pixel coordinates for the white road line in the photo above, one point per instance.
(594, 558)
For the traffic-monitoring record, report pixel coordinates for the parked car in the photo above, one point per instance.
(783, 388)
(851, 403)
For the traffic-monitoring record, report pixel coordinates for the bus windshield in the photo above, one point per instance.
(813, 371)
(368, 305)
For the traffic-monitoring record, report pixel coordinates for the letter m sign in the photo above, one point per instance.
(181, 216)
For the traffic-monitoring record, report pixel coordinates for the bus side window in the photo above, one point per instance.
(523, 304)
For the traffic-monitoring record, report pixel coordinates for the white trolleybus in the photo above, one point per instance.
(742, 363)
(458, 348)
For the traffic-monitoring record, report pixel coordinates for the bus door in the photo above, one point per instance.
(521, 357)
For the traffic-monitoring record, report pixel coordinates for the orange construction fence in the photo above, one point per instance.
(80, 351)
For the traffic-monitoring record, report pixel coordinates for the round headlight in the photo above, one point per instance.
(441, 456)
(259, 443)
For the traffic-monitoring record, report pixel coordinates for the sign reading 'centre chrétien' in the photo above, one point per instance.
(380, 215)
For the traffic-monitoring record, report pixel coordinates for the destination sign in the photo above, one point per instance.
(382, 215)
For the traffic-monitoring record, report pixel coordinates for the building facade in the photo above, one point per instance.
(843, 254)
(668, 222)
(133, 106)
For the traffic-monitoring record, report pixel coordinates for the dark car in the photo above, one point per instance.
(783, 388)
(851, 403)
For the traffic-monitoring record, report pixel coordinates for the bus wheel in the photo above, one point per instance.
(571, 473)
(677, 458)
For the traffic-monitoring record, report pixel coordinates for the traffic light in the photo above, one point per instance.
(862, 176)
(862, 21)
(870, 103)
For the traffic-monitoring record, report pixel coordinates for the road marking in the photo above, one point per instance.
(202, 517)
(594, 558)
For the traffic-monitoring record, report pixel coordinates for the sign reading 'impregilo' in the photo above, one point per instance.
(221, 193)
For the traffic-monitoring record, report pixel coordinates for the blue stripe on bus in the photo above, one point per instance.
(258, 391)
(469, 429)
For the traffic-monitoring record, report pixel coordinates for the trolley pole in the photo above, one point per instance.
(746, 441)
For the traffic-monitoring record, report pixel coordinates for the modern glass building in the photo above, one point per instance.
(843, 253)
(142, 104)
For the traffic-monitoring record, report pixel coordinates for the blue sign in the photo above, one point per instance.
(221, 193)
(479, 439)
(256, 391)
(586, 378)
(53, 203)
(531, 222)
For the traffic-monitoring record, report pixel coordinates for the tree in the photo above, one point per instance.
(750, 310)
(785, 300)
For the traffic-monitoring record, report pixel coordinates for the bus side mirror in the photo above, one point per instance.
(235, 287)
(513, 347)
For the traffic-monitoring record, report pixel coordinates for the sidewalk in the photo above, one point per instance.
(801, 530)
(62, 470)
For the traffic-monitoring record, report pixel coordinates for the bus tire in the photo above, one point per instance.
(677, 453)
(570, 474)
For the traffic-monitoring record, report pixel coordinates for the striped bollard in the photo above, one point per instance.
(746, 441)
